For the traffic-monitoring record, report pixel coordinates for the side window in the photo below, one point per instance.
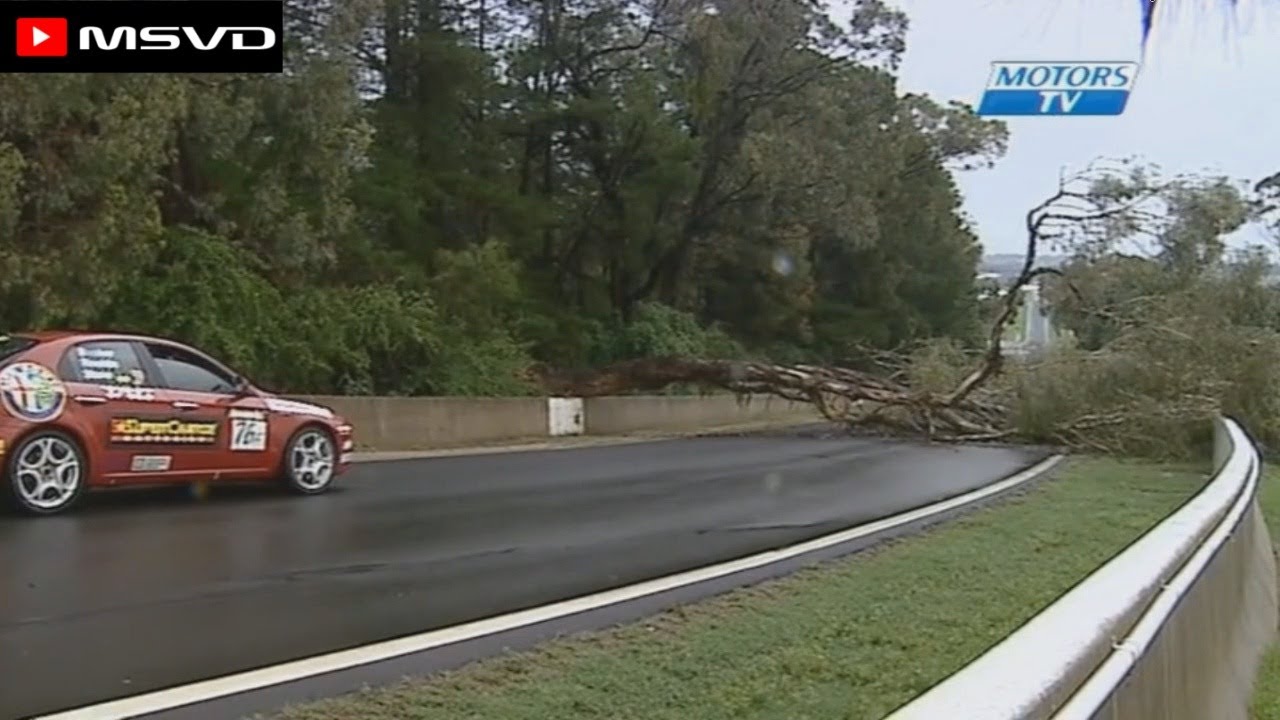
(10, 346)
(186, 371)
(104, 362)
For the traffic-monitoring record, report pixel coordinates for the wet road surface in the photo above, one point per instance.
(140, 591)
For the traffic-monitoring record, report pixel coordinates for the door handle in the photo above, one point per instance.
(90, 399)
(184, 405)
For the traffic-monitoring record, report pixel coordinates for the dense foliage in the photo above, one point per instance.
(1170, 327)
(435, 195)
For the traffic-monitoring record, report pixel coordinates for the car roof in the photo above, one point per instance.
(43, 335)
(49, 336)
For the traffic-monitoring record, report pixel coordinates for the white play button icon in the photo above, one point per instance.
(41, 37)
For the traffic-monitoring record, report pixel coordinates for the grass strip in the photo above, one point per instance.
(1266, 695)
(851, 638)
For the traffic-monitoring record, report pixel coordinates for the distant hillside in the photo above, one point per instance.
(1008, 265)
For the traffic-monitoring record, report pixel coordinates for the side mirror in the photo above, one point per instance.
(243, 387)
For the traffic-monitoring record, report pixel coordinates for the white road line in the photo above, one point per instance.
(237, 683)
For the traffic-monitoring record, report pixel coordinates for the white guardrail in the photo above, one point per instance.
(1067, 662)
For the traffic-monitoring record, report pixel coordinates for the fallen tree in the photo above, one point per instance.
(1139, 400)
(854, 397)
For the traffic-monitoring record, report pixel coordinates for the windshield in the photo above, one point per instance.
(11, 345)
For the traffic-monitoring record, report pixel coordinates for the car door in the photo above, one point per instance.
(203, 389)
(115, 403)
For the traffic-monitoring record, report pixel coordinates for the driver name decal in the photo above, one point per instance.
(163, 431)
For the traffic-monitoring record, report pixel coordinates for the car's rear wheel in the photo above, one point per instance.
(47, 473)
(310, 459)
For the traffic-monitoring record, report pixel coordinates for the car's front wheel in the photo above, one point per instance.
(309, 461)
(47, 473)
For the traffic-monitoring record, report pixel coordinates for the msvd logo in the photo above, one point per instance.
(47, 37)
(143, 36)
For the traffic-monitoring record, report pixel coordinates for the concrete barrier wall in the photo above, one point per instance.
(1203, 661)
(623, 415)
(419, 423)
(422, 423)
(1173, 627)
(1196, 651)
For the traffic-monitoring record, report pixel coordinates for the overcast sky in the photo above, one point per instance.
(1207, 98)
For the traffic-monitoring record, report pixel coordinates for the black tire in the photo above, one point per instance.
(20, 483)
(309, 441)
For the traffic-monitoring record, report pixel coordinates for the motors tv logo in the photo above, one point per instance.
(1058, 88)
(143, 36)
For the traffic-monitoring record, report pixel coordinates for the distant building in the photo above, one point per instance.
(1039, 330)
(989, 285)
(1036, 332)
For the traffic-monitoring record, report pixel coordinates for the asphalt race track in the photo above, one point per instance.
(140, 591)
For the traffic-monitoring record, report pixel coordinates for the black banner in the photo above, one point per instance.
(142, 36)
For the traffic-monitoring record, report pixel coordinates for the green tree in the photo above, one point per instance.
(434, 195)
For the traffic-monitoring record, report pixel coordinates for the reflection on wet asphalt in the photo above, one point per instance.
(139, 591)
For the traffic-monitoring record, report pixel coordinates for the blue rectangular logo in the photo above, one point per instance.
(1058, 88)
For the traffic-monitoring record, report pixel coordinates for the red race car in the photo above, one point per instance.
(85, 410)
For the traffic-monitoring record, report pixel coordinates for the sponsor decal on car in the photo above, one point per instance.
(248, 430)
(166, 431)
(129, 393)
(134, 377)
(293, 407)
(151, 463)
(31, 391)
